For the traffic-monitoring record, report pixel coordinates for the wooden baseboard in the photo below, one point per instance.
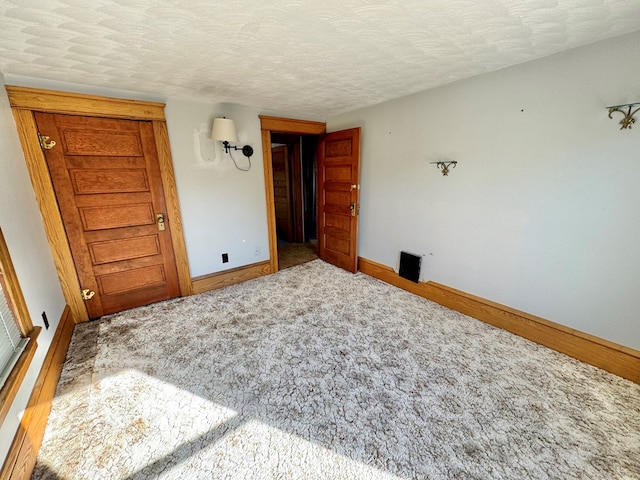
(230, 277)
(609, 356)
(23, 452)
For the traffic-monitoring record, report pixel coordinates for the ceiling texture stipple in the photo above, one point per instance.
(307, 57)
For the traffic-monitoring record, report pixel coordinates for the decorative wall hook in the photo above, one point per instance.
(628, 119)
(444, 166)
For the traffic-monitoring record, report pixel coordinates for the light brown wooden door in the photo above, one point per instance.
(282, 192)
(338, 197)
(108, 186)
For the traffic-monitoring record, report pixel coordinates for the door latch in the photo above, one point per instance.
(160, 221)
(87, 294)
(352, 207)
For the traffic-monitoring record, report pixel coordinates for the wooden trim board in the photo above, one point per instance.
(214, 281)
(51, 218)
(12, 292)
(80, 104)
(267, 162)
(612, 357)
(14, 381)
(24, 450)
(165, 162)
(291, 125)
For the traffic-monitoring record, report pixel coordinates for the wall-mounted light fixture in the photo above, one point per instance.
(444, 165)
(224, 130)
(627, 119)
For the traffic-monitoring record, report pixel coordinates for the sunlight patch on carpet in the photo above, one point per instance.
(148, 428)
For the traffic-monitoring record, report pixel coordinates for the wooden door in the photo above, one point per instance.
(295, 162)
(282, 192)
(107, 182)
(338, 192)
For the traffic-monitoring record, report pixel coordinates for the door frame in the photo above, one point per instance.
(270, 125)
(24, 101)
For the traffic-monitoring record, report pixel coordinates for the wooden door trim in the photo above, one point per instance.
(24, 101)
(79, 104)
(161, 135)
(270, 125)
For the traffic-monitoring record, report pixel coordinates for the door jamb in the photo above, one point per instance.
(24, 101)
(270, 125)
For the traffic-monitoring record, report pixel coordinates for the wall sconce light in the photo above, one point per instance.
(444, 166)
(224, 130)
(628, 119)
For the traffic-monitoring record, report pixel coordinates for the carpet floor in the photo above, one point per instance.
(315, 373)
(294, 254)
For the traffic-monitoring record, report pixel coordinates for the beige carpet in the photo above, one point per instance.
(296, 254)
(314, 373)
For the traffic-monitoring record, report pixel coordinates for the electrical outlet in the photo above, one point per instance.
(225, 258)
(256, 251)
(45, 320)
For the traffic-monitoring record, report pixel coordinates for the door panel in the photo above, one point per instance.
(122, 282)
(94, 181)
(107, 183)
(102, 218)
(101, 143)
(116, 250)
(338, 173)
(338, 188)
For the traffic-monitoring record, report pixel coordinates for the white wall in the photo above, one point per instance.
(22, 227)
(541, 213)
(223, 208)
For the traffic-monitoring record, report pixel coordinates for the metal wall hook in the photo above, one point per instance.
(444, 166)
(627, 119)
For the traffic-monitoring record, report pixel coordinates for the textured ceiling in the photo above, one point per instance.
(311, 57)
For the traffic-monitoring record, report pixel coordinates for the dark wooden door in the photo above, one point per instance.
(108, 186)
(282, 192)
(295, 170)
(338, 190)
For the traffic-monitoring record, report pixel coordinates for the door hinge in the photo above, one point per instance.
(45, 144)
(87, 294)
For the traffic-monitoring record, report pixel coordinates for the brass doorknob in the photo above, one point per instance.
(160, 221)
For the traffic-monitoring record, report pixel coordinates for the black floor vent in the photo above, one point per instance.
(410, 266)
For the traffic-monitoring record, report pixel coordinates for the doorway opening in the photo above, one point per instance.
(337, 189)
(273, 126)
(294, 192)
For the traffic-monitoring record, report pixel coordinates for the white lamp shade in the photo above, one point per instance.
(224, 130)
